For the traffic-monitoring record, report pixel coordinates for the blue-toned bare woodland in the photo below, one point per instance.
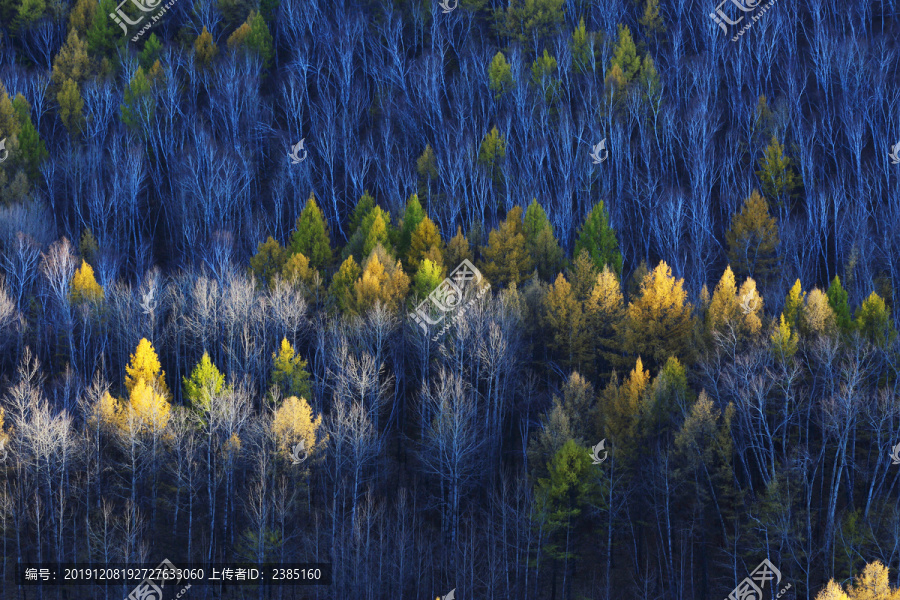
(218, 343)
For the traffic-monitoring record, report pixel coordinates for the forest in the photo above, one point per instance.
(532, 299)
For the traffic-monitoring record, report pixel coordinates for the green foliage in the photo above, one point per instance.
(650, 21)
(873, 320)
(32, 150)
(254, 35)
(663, 404)
(268, 261)
(29, 12)
(838, 299)
(341, 289)
(582, 48)
(426, 166)
(542, 70)
(599, 240)
(541, 243)
(311, 237)
(103, 35)
(563, 496)
(289, 371)
(492, 153)
(753, 240)
(500, 75)
(412, 216)
(205, 383)
(139, 104)
(428, 276)
(363, 208)
(625, 57)
(71, 107)
(88, 247)
(150, 53)
(378, 231)
(527, 20)
(374, 229)
(777, 176)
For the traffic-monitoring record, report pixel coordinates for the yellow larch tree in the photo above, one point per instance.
(144, 364)
(83, 286)
(380, 281)
(658, 323)
(149, 407)
(294, 422)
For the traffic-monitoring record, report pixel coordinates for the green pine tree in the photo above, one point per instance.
(838, 299)
(541, 243)
(363, 208)
(150, 52)
(289, 372)
(500, 75)
(205, 383)
(412, 216)
(31, 148)
(310, 236)
(139, 104)
(103, 34)
(599, 240)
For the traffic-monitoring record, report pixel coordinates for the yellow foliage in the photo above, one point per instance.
(4, 435)
(873, 584)
(818, 318)
(658, 323)
(294, 422)
(832, 591)
(389, 286)
(107, 411)
(149, 407)
(84, 287)
(724, 308)
(145, 365)
(751, 307)
(296, 269)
